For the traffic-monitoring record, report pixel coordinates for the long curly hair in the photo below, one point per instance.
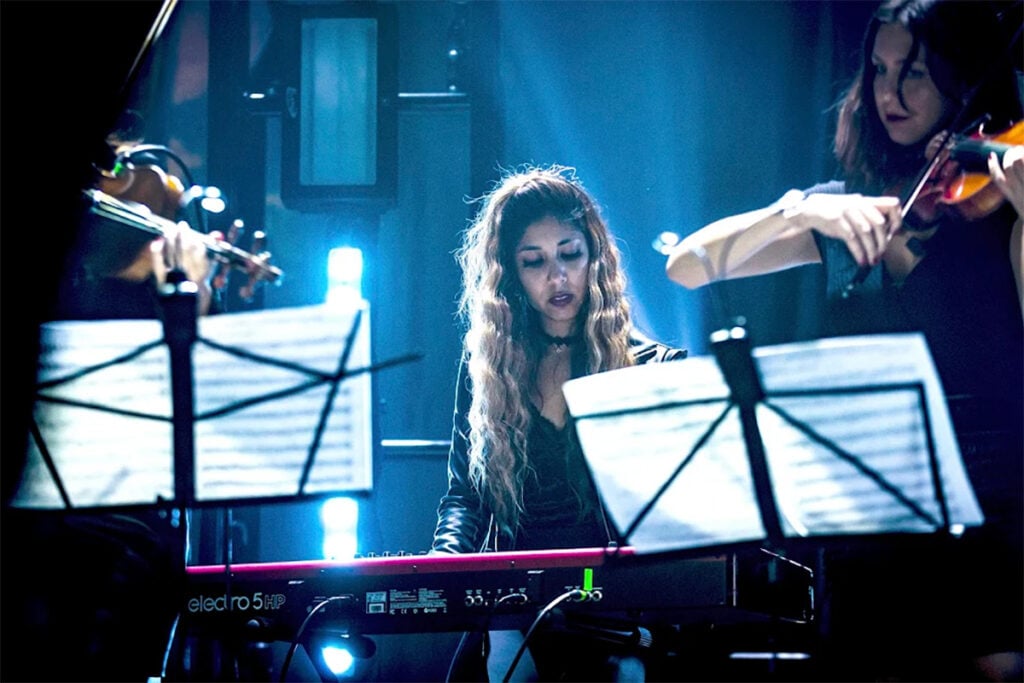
(503, 342)
(969, 55)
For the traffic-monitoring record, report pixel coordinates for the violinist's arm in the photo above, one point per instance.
(1009, 178)
(779, 236)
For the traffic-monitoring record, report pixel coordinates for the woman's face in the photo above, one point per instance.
(925, 105)
(552, 260)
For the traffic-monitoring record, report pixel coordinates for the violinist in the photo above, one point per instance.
(116, 271)
(105, 587)
(896, 260)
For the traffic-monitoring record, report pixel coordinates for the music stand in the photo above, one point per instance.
(281, 397)
(843, 436)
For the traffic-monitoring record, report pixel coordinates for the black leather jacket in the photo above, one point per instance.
(464, 524)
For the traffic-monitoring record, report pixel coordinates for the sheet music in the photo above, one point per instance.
(256, 451)
(712, 501)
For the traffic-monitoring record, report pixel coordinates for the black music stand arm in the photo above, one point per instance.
(179, 299)
(733, 352)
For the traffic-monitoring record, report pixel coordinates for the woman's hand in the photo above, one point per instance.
(1009, 177)
(185, 249)
(865, 224)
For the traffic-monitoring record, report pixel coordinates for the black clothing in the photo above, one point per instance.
(561, 510)
(558, 494)
(959, 597)
(464, 525)
(962, 296)
(90, 596)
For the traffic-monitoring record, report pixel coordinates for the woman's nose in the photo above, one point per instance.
(557, 272)
(886, 88)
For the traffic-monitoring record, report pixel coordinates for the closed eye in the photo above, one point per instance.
(915, 72)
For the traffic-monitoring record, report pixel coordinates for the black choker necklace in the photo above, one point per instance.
(560, 341)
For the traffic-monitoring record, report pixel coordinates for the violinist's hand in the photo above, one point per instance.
(942, 139)
(1009, 177)
(865, 224)
(185, 249)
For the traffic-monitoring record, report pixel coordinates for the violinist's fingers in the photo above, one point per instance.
(863, 235)
(194, 260)
(875, 225)
(853, 235)
(939, 140)
(1009, 177)
(158, 259)
(893, 215)
(194, 257)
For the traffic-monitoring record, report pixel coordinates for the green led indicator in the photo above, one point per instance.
(588, 579)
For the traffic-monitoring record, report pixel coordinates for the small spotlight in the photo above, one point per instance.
(789, 656)
(210, 198)
(340, 655)
(665, 241)
(338, 659)
(213, 200)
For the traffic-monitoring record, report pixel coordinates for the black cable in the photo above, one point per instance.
(162, 150)
(169, 648)
(297, 640)
(576, 594)
(484, 629)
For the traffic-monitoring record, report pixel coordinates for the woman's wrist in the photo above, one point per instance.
(789, 204)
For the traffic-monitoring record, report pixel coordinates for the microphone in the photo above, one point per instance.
(637, 636)
(606, 629)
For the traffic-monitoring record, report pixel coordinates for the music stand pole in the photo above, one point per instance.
(179, 301)
(732, 351)
(179, 298)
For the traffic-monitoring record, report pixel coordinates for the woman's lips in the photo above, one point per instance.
(561, 299)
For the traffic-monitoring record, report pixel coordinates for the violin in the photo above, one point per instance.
(140, 217)
(956, 178)
(969, 188)
(148, 199)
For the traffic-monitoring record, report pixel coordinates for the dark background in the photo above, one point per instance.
(674, 114)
